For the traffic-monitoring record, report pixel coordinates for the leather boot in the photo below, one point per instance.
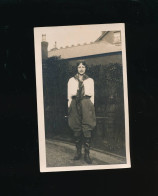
(78, 143)
(87, 149)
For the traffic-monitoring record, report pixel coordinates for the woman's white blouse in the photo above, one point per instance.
(73, 87)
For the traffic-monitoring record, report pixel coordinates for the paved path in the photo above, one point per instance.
(60, 154)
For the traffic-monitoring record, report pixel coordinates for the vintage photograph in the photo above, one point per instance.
(82, 97)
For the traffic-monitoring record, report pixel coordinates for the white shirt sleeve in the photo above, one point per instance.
(72, 89)
(89, 88)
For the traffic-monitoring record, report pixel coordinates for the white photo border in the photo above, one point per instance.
(38, 31)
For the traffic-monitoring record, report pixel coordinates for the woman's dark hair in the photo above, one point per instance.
(83, 62)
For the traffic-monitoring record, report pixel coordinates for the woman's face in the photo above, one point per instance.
(81, 69)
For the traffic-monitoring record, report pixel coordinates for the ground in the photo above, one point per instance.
(59, 153)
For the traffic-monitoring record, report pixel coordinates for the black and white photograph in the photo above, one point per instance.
(82, 99)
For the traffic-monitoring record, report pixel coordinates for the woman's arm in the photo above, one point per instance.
(72, 89)
(89, 88)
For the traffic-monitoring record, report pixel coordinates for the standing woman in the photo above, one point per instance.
(81, 110)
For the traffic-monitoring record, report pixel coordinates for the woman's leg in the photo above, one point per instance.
(88, 124)
(87, 141)
(78, 143)
(88, 115)
(74, 121)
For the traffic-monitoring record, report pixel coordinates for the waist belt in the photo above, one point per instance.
(84, 97)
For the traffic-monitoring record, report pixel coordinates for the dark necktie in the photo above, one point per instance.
(80, 94)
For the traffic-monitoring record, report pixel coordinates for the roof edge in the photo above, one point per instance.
(102, 35)
(86, 57)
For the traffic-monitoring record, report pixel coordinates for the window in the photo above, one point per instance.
(117, 37)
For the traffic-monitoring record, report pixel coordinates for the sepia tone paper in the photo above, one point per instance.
(57, 51)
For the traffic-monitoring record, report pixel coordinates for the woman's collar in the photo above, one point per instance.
(84, 76)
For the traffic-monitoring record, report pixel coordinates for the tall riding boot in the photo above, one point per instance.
(78, 143)
(87, 149)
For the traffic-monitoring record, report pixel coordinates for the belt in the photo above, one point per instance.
(84, 97)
